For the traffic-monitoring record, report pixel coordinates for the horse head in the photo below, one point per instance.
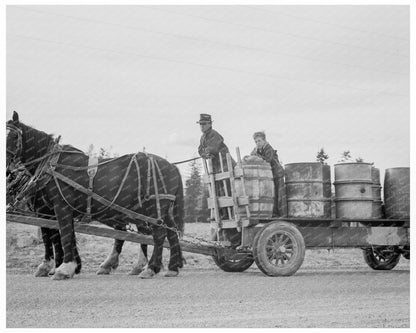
(14, 142)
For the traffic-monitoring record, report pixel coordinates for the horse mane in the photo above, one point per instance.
(38, 141)
(37, 134)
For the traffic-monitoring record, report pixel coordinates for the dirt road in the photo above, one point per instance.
(212, 298)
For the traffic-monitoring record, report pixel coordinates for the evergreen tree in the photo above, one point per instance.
(321, 156)
(346, 156)
(193, 193)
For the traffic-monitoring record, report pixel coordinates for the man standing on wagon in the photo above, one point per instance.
(212, 144)
(266, 152)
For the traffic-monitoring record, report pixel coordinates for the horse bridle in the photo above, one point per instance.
(19, 146)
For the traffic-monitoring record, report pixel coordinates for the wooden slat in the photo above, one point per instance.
(224, 183)
(222, 176)
(238, 172)
(212, 214)
(228, 202)
(214, 195)
(237, 217)
(104, 231)
(222, 202)
(229, 224)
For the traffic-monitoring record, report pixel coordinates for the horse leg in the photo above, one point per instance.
(47, 264)
(155, 262)
(59, 252)
(66, 229)
(76, 256)
(141, 261)
(176, 259)
(111, 262)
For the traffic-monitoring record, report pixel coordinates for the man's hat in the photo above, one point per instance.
(260, 134)
(204, 118)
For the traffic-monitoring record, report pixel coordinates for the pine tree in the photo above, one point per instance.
(321, 156)
(193, 193)
(346, 156)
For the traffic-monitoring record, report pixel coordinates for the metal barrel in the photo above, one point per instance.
(376, 193)
(308, 189)
(353, 191)
(397, 193)
(259, 186)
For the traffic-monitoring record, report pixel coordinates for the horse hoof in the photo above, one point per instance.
(136, 271)
(103, 271)
(41, 272)
(170, 273)
(65, 271)
(52, 272)
(147, 274)
(44, 269)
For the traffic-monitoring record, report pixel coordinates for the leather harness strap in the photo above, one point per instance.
(46, 171)
(91, 171)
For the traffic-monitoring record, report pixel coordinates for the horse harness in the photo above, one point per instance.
(47, 171)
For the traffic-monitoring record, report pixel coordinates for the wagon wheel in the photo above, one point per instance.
(229, 264)
(381, 257)
(279, 249)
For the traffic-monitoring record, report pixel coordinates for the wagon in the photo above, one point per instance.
(241, 237)
(277, 245)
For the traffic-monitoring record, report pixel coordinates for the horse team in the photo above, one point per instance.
(125, 186)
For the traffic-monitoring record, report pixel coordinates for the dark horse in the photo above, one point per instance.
(53, 255)
(131, 188)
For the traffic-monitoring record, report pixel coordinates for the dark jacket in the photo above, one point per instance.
(211, 145)
(268, 154)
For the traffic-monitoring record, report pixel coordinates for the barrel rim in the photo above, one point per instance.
(353, 181)
(317, 200)
(395, 168)
(315, 163)
(307, 181)
(354, 199)
(364, 163)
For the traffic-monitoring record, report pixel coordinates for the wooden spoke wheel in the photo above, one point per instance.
(231, 263)
(381, 257)
(279, 249)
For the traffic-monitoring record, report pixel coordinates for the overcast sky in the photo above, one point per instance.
(139, 76)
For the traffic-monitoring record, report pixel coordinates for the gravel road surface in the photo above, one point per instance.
(212, 298)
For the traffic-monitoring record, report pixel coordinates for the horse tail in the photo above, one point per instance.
(179, 205)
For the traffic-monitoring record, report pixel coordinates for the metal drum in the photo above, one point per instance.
(259, 187)
(353, 192)
(376, 193)
(308, 189)
(397, 193)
